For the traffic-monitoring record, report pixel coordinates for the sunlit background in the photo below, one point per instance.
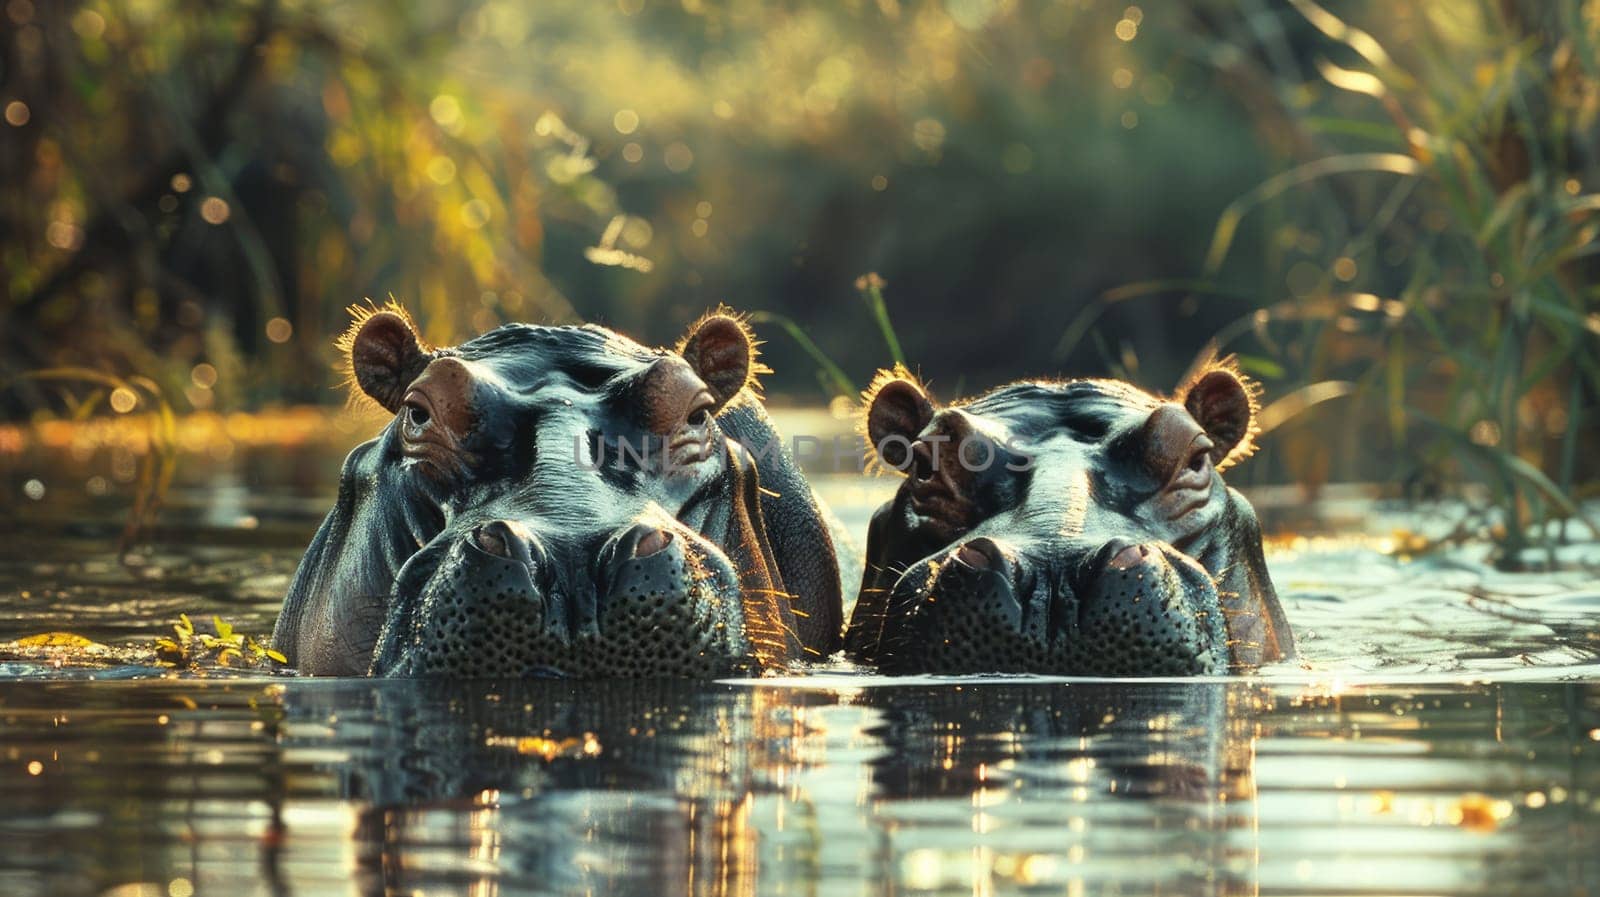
(1386, 210)
(1389, 211)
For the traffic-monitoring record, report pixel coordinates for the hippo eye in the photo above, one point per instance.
(416, 417)
(700, 414)
(1202, 455)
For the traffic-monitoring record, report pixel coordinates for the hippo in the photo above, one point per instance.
(563, 501)
(1075, 527)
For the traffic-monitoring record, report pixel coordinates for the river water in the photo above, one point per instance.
(1441, 734)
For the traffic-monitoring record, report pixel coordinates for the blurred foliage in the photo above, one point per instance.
(1387, 210)
(153, 467)
(1436, 230)
(210, 184)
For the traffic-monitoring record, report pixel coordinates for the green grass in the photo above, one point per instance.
(830, 375)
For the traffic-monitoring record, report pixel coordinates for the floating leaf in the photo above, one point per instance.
(56, 640)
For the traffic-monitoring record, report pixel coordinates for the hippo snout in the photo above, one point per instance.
(982, 588)
(493, 589)
(980, 570)
(1145, 609)
(507, 599)
(645, 563)
(1123, 608)
(509, 541)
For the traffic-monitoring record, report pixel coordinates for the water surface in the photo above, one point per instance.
(999, 787)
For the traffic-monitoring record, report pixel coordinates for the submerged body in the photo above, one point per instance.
(1077, 527)
(563, 501)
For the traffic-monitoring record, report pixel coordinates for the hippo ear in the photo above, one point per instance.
(1224, 402)
(383, 353)
(898, 408)
(723, 352)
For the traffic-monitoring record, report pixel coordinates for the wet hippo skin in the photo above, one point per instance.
(1075, 527)
(563, 501)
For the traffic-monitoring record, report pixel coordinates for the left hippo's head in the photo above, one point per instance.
(562, 501)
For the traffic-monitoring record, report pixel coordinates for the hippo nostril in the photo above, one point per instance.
(982, 554)
(972, 557)
(501, 539)
(493, 539)
(1130, 557)
(921, 462)
(651, 543)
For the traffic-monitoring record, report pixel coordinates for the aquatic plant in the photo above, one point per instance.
(830, 376)
(1437, 245)
(188, 647)
(158, 460)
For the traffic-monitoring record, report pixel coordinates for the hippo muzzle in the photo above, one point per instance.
(1119, 609)
(651, 599)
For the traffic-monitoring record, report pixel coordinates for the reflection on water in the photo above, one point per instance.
(853, 786)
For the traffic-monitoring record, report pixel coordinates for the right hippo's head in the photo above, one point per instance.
(557, 501)
(1076, 527)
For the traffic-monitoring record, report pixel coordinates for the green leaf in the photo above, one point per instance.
(873, 294)
(1538, 480)
(1228, 221)
(839, 382)
(1508, 205)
